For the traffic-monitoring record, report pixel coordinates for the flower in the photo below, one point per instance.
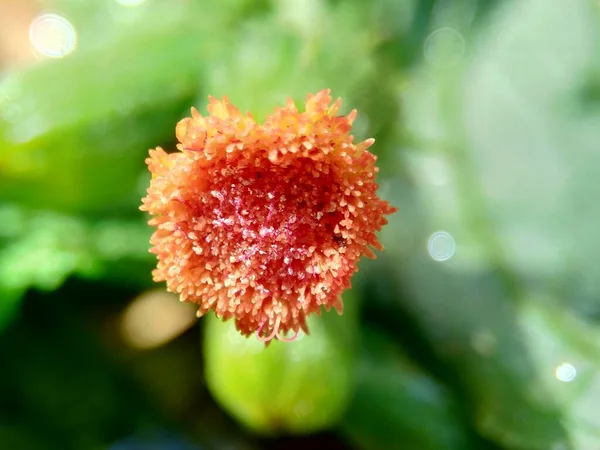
(264, 223)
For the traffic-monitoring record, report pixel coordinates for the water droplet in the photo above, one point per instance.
(565, 372)
(52, 35)
(444, 47)
(441, 246)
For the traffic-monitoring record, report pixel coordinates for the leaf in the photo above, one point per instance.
(10, 300)
(41, 249)
(471, 325)
(67, 390)
(269, 58)
(503, 154)
(53, 247)
(396, 402)
(567, 353)
(80, 145)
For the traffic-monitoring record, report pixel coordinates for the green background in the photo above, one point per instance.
(486, 116)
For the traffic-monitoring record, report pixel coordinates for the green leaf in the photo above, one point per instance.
(567, 353)
(397, 405)
(10, 300)
(53, 247)
(269, 58)
(472, 326)
(503, 155)
(41, 249)
(80, 143)
(68, 391)
(23, 438)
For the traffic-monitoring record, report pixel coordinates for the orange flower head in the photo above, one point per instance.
(264, 223)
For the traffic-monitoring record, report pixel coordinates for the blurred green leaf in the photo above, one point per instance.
(80, 143)
(504, 153)
(61, 387)
(41, 249)
(53, 248)
(23, 438)
(41, 252)
(471, 325)
(396, 405)
(567, 352)
(10, 300)
(503, 156)
(271, 56)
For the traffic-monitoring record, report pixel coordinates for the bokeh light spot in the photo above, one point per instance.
(52, 35)
(444, 47)
(155, 318)
(441, 246)
(565, 372)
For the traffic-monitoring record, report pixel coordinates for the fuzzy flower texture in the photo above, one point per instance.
(264, 223)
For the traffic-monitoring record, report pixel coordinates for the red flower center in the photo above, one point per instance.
(262, 217)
